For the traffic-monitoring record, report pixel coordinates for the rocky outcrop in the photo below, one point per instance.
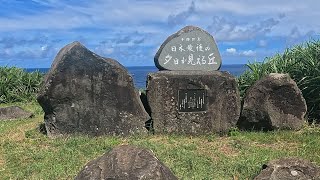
(14, 112)
(273, 102)
(289, 168)
(88, 94)
(126, 163)
(193, 102)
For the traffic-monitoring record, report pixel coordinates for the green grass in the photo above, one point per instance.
(27, 154)
(17, 85)
(302, 63)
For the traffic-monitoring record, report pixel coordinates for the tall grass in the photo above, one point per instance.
(302, 63)
(17, 85)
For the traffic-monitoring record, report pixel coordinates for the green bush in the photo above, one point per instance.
(17, 85)
(302, 63)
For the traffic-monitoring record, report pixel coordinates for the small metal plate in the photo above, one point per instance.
(192, 100)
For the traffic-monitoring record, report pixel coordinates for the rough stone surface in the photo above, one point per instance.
(273, 102)
(193, 102)
(191, 48)
(88, 94)
(289, 169)
(126, 162)
(14, 112)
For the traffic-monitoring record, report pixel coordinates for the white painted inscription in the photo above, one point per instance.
(191, 48)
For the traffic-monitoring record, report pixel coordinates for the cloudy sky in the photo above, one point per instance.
(131, 31)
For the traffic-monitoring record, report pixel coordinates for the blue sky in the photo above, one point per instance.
(33, 31)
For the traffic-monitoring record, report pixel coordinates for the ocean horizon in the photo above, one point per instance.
(139, 73)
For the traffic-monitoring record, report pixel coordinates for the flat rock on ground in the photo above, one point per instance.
(273, 102)
(14, 112)
(126, 162)
(88, 94)
(289, 169)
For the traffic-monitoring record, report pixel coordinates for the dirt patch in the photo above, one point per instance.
(227, 150)
(2, 162)
(276, 145)
(217, 147)
(17, 132)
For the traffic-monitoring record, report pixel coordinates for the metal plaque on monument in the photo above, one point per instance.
(188, 95)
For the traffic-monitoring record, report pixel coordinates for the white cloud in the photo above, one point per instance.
(109, 50)
(156, 15)
(44, 48)
(181, 17)
(262, 43)
(231, 30)
(249, 53)
(237, 25)
(231, 50)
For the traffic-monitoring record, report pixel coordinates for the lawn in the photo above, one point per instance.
(25, 153)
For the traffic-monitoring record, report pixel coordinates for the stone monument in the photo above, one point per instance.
(188, 95)
(191, 48)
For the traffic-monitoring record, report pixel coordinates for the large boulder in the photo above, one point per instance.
(126, 163)
(89, 94)
(273, 102)
(193, 102)
(289, 169)
(14, 112)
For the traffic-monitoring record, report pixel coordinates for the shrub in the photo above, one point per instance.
(17, 85)
(302, 63)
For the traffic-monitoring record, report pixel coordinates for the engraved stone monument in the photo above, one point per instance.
(191, 48)
(188, 95)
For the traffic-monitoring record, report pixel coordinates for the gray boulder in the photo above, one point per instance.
(126, 163)
(273, 102)
(14, 112)
(88, 94)
(191, 48)
(193, 102)
(289, 169)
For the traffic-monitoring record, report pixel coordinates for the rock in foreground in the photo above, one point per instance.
(273, 102)
(88, 94)
(289, 168)
(14, 112)
(126, 163)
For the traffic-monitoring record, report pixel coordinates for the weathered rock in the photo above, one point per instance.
(273, 102)
(289, 169)
(193, 102)
(126, 162)
(89, 94)
(14, 112)
(191, 48)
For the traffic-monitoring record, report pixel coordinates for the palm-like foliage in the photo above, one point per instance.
(302, 63)
(17, 85)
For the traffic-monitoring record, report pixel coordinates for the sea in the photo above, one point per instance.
(139, 73)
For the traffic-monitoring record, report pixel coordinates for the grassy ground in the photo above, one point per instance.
(27, 154)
